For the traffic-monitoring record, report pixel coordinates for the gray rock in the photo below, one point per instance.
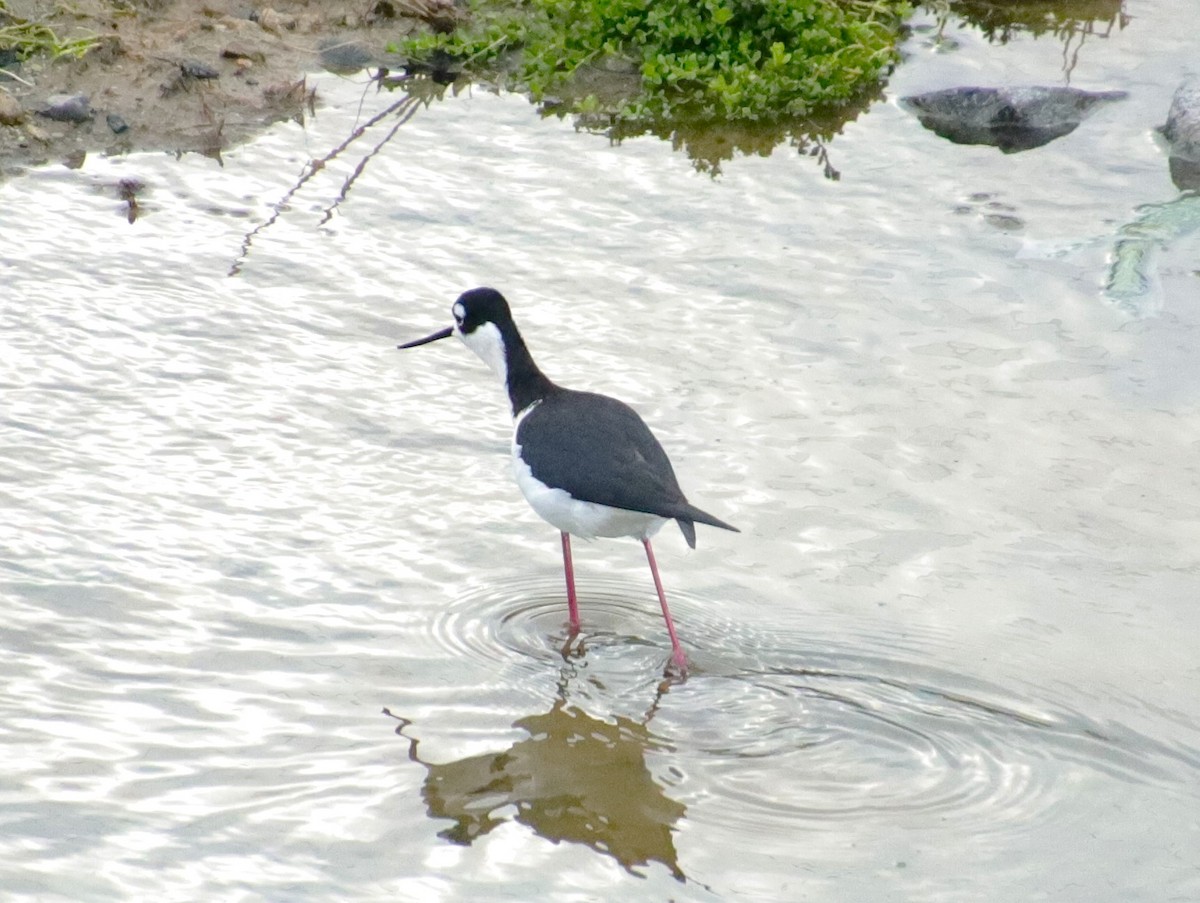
(67, 108)
(1133, 280)
(197, 69)
(116, 123)
(345, 57)
(1182, 132)
(10, 60)
(1012, 119)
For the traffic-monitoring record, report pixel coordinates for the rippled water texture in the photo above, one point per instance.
(278, 626)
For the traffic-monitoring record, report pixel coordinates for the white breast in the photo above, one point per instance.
(587, 520)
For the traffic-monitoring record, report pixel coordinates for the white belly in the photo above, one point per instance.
(583, 519)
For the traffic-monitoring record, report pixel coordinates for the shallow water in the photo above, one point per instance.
(952, 654)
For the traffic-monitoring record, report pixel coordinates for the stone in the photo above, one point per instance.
(11, 111)
(67, 108)
(1182, 132)
(1012, 119)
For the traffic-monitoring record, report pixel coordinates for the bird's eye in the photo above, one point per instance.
(460, 313)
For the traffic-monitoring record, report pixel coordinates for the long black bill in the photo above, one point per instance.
(440, 334)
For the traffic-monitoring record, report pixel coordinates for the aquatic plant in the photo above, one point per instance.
(701, 60)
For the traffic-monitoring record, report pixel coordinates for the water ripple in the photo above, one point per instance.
(962, 606)
(862, 730)
(526, 619)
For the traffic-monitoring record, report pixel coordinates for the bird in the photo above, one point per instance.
(586, 463)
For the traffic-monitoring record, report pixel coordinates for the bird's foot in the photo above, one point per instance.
(677, 667)
(574, 647)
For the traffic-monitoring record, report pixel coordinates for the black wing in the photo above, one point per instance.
(599, 450)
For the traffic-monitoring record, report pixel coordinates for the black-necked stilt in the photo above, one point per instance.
(587, 463)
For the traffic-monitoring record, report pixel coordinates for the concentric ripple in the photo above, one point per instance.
(856, 745)
(522, 620)
(865, 738)
(864, 730)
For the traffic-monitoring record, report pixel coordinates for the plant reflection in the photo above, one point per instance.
(1001, 20)
(710, 144)
(1072, 22)
(574, 778)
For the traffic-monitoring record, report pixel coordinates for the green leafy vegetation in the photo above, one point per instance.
(649, 61)
(23, 38)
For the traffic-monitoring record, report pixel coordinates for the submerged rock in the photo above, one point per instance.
(67, 108)
(1182, 132)
(1133, 282)
(1012, 119)
(117, 123)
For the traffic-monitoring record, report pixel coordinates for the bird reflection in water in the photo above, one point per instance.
(575, 778)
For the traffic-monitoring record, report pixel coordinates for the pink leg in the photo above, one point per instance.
(680, 658)
(569, 570)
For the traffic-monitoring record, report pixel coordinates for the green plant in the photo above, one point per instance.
(705, 60)
(28, 37)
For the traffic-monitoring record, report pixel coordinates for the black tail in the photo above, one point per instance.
(692, 516)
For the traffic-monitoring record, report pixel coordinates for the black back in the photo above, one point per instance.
(599, 450)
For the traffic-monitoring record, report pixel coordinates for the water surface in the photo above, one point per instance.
(951, 655)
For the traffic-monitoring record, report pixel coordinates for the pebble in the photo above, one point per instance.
(11, 112)
(345, 57)
(239, 52)
(116, 123)
(197, 69)
(67, 108)
(36, 133)
(275, 22)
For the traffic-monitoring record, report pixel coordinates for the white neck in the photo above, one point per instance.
(488, 344)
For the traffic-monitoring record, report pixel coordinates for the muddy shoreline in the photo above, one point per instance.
(182, 76)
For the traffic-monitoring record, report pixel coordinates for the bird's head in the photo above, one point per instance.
(484, 322)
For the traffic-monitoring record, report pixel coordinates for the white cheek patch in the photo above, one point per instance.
(459, 311)
(488, 344)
